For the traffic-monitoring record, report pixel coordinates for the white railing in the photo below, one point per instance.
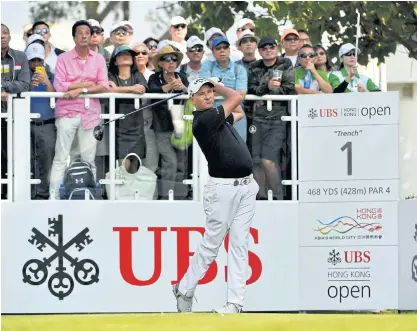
(18, 122)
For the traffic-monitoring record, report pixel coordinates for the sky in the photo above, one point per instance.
(138, 13)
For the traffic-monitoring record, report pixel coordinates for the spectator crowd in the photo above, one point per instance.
(158, 134)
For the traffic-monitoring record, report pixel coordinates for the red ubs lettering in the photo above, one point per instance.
(328, 112)
(357, 257)
(183, 255)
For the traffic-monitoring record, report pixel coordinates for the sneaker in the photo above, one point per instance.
(229, 308)
(184, 303)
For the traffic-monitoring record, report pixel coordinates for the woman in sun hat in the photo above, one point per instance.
(347, 79)
(124, 77)
(167, 80)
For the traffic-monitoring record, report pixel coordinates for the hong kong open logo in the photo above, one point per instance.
(61, 282)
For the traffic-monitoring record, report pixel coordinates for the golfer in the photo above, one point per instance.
(229, 196)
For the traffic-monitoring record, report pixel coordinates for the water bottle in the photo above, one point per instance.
(307, 79)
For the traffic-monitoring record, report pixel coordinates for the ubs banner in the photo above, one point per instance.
(69, 257)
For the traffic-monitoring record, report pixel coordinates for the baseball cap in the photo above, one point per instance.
(128, 25)
(35, 51)
(95, 24)
(346, 48)
(212, 31)
(267, 41)
(287, 32)
(219, 40)
(246, 34)
(35, 37)
(178, 20)
(245, 21)
(194, 40)
(196, 84)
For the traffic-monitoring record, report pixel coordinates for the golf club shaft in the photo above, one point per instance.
(147, 106)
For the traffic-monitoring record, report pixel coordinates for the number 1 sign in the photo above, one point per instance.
(348, 137)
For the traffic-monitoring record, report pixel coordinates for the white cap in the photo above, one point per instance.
(35, 51)
(346, 48)
(212, 31)
(244, 21)
(178, 20)
(246, 34)
(196, 84)
(35, 37)
(165, 42)
(95, 24)
(128, 24)
(117, 26)
(194, 40)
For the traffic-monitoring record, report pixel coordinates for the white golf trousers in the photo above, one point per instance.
(67, 129)
(230, 209)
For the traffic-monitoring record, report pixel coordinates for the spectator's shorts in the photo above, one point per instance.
(266, 138)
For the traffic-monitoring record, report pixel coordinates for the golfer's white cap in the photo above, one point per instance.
(196, 84)
(346, 48)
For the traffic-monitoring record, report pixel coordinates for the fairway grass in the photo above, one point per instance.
(205, 322)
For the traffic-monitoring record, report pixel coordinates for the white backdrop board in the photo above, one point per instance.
(128, 254)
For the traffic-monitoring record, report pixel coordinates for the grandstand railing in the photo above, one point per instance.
(18, 118)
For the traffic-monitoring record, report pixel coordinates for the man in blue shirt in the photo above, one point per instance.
(232, 75)
(43, 130)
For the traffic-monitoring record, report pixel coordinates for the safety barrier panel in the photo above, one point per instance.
(19, 182)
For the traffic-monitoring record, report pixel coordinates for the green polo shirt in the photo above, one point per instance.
(337, 77)
(314, 85)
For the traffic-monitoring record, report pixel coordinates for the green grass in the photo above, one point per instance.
(206, 322)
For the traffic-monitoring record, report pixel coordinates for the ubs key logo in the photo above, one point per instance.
(60, 284)
(312, 113)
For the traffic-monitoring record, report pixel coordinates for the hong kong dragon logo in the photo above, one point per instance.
(61, 283)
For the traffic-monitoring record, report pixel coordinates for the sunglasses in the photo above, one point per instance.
(120, 33)
(267, 47)
(195, 49)
(218, 48)
(40, 31)
(152, 46)
(97, 32)
(291, 39)
(307, 55)
(248, 40)
(169, 59)
(351, 53)
(182, 26)
(142, 52)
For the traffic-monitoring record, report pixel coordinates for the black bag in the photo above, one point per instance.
(78, 179)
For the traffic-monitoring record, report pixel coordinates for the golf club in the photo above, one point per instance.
(99, 129)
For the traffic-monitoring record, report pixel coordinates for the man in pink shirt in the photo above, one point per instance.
(79, 71)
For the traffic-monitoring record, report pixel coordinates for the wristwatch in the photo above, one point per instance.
(85, 90)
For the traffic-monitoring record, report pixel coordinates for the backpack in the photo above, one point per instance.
(78, 179)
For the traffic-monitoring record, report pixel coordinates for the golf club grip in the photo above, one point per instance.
(147, 106)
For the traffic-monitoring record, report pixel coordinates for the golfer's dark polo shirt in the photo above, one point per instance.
(226, 152)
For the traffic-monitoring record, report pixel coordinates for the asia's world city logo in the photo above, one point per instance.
(60, 283)
(364, 226)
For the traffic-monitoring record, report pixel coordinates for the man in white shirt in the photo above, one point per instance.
(195, 52)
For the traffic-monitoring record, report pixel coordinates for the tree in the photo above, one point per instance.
(383, 24)
(54, 11)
